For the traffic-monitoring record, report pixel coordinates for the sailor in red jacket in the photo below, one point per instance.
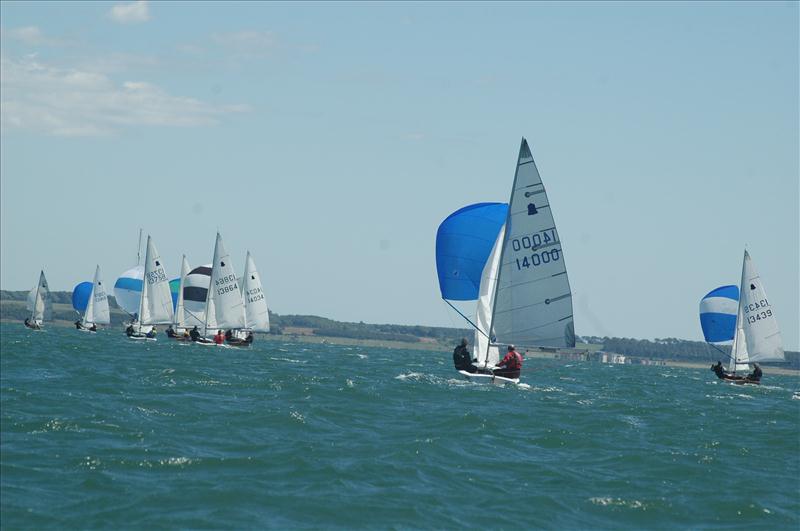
(219, 338)
(510, 366)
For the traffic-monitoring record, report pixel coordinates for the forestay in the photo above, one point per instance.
(156, 302)
(256, 314)
(533, 302)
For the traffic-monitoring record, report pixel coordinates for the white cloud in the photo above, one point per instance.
(72, 102)
(32, 36)
(131, 13)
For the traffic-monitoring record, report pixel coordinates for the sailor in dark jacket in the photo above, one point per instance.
(462, 359)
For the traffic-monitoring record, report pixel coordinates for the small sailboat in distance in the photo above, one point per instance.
(510, 260)
(224, 306)
(155, 304)
(178, 329)
(256, 313)
(39, 304)
(96, 310)
(756, 336)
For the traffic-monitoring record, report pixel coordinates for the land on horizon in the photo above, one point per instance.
(315, 329)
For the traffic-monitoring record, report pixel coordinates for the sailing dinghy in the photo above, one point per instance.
(756, 336)
(39, 304)
(509, 260)
(96, 311)
(224, 307)
(179, 328)
(256, 313)
(155, 303)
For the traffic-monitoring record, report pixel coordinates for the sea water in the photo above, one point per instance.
(99, 431)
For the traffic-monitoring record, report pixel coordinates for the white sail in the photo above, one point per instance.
(484, 352)
(739, 357)
(180, 314)
(759, 324)
(533, 301)
(256, 314)
(39, 303)
(224, 308)
(156, 302)
(97, 311)
(88, 313)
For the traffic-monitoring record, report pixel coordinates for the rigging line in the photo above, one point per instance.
(467, 319)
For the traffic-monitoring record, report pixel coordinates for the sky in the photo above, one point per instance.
(331, 139)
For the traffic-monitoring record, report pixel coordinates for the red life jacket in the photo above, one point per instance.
(513, 360)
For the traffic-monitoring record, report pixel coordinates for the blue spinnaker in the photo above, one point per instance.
(80, 296)
(718, 312)
(463, 244)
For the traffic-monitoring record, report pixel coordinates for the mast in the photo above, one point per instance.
(506, 233)
(210, 287)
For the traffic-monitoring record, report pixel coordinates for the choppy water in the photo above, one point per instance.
(106, 432)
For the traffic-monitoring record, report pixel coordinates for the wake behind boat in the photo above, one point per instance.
(509, 259)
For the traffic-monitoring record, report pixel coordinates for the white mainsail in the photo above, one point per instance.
(224, 308)
(180, 313)
(156, 303)
(97, 311)
(39, 301)
(486, 353)
(759, 325)
(256, 313)
(533, 301)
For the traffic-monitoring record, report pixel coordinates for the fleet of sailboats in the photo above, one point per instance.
(506, 258)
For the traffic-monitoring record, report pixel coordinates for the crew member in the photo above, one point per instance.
(171, 332)
(461, 358)
(93, 328)
(511, 365)
(194, 334)
(756, 376)
(152, 333)
(219, 338)
(129, 330)
(78, 324)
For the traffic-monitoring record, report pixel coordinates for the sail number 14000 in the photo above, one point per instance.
(537, 259)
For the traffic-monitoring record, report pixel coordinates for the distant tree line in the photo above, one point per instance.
(667, 348)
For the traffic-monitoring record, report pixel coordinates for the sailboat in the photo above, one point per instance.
(179, 321)
(256, 313)
(224, 307)
(756, 335)
(509, 259)
(155, 304)
(39, 304)
(97, 311)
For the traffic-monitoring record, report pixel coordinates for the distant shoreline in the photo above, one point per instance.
(433, 347)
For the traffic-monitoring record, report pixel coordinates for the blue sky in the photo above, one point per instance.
(330, 139)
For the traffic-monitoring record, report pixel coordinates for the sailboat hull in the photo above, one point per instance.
(488, 379)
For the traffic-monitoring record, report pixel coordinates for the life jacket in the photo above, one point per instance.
(515, 362)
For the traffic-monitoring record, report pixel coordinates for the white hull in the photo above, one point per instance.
(142, 338)
(488, 379)
(87, 330)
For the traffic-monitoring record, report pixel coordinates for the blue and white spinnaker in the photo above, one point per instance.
(718, 314)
